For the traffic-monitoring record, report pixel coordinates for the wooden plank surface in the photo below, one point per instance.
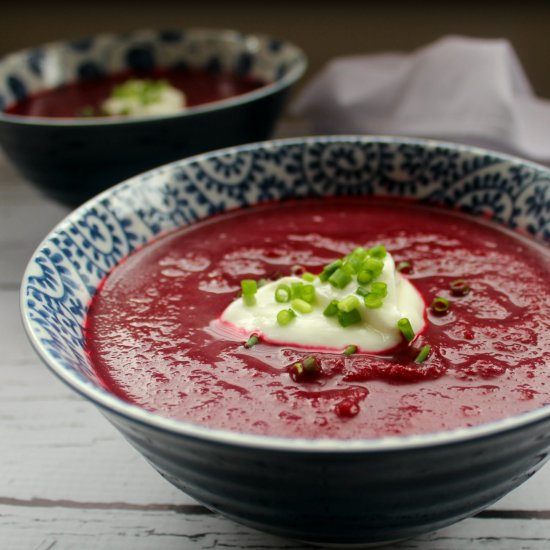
(68, 480)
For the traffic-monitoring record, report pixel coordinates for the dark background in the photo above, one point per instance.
(323, 29)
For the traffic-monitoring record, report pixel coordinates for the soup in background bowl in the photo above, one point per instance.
(364, 481)
(234, 86)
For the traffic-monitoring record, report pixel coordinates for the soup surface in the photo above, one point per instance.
(156, 340)
(199, 86)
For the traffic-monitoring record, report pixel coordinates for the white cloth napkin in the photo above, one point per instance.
(459, 89)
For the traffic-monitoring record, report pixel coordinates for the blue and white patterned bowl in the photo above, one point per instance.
(339, 492)
(74, 159)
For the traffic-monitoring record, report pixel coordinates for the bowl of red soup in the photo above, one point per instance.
(340, 340)
(77, 117)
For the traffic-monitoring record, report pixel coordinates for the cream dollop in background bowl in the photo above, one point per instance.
(74, 159)
(322, 491)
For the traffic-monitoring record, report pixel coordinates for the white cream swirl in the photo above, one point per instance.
(377, 330)
(144, 98)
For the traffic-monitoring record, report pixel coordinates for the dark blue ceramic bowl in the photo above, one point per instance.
(322, 491)
(74, 159)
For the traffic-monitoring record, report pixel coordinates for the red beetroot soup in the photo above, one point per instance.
(68, 101)
(154, 339)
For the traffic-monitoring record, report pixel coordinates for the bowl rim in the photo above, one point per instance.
(271, 88)
(112, 404)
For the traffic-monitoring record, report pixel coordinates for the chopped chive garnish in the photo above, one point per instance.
(404, 325)
(460, 287)
(307, 293)
(301, 291)
(378, 251)
(308, 277)
(249, 287)
(311, 365)
(340, 278)
(282, 294)
(332, 309)
(381, 289)
(296, 290)
(296, 372)
(374, 265)
(347, 318)
(364, 277)
(362, 291)
(329, 269)
(307, 369)
(404, 267)
(370, 269)
(355, 259)
(301, 306)
(373, 301)
(440, 305)
(424, 353)
(348, 268)
(348, 303)
(144, 91)
(285, 316)
(252, 341)
(360, 253)
(350, 350)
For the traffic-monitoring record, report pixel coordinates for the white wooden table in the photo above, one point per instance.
(68, 480)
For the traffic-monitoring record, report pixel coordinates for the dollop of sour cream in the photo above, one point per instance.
(144, 98)
(377, 330)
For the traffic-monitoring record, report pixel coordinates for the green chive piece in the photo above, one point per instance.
(308, 369)
(440, 305)
(362, 291)
(249, 300)
(355, 259)
(282, 294)
(340, 278)
(373, 301)
(404, 267)
(404, 325)
(378, 251)
(359, 253)
(424, 353)
(301, 306)
(296, 290)
(348, 303)
(364, 277)
(332, 309)
(350, 350)
(285, 316)
(311, 365)
(307, 293)
(252, 341)
(348, 268)
(249, 287)
(308, 277)
(329, 269)
(347, 318)
(296, 372)
(381, 289)
(460, 287)
(373, 266)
